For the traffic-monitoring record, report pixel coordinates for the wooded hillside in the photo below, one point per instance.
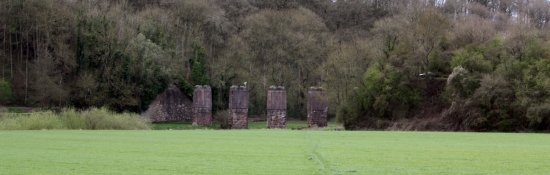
(401, 64)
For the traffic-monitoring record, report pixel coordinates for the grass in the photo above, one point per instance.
(71, 119)
(264, 151)
(16, 109)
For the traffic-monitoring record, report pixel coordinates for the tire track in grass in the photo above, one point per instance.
(314, 155)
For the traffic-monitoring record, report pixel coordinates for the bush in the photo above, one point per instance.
(349, 112)
(479, 58)
(185, 87)
(71, 119)
(384, 94)
(104, 119)
(491, 107)
(539, 117)
(224, 119)
(6, 94)
(30, 121)
(461, 83)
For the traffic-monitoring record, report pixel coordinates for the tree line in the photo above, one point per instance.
(403, 64)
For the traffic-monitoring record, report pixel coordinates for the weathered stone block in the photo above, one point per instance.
(276, 118)
(276, 107)
(317, 107)
(202, 105)
(171, 105)
(238, 107)
(239, 118)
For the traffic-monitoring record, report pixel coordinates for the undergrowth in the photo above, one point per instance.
(92, 119)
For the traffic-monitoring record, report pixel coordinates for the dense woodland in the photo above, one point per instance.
(386, 64)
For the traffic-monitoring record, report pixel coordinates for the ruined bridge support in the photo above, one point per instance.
(317, 107)
(276, 107)
(202, 105)
(238, 107)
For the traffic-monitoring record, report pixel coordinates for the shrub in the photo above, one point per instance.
(224, 119)
(349, 111)
(491, 107)
(494, 99)
(479, 58)
(71, 119)
(30, 121)
(461, 83)
(539, 117)
(6, 94)
(185, 86)
(385, 93)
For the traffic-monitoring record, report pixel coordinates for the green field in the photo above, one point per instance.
(264, 151)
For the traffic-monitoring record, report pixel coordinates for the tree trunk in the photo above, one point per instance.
(11, 57)
(37, 43)
(10, 44)
(4, 30)
(21, 48)
(27, 70)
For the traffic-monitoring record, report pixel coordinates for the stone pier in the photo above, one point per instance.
(238, 107)
(276, 107)
(202, 105)
(317, 107)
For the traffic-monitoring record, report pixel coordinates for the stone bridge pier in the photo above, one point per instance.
(238, 107)
(202, 105)
(276, 107)
(317, 107)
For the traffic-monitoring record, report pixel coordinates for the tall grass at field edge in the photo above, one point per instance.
(92, 119)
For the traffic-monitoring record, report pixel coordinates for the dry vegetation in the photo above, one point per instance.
(92, 119)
